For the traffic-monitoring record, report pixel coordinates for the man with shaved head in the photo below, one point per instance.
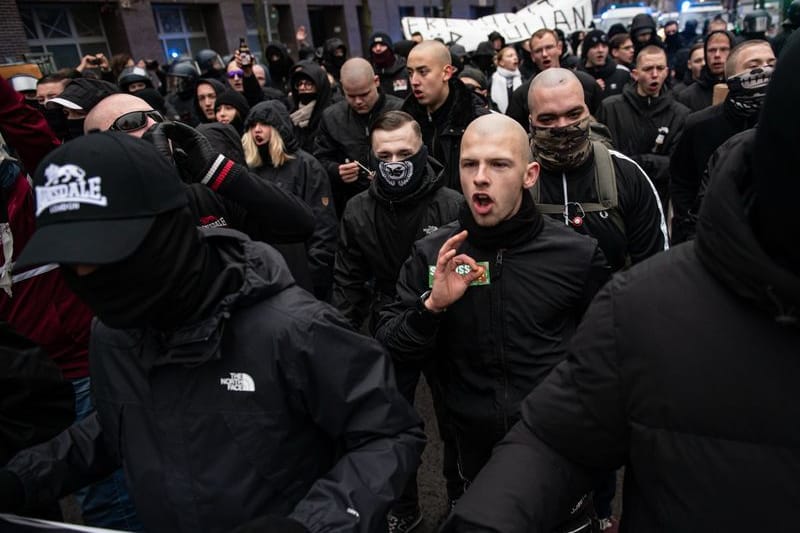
(342, 143)
(584, 185)
(492, 298)
(441, 104)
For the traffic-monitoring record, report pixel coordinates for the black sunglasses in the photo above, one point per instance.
(135, 120)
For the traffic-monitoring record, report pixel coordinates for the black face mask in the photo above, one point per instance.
(399, 178)
(162, 284)
(747, 90)
(74, 128)
(57, 121)
(306, 98)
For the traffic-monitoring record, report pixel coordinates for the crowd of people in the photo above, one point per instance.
(223, 280)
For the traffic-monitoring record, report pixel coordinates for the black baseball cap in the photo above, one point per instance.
(82, 94)
(97, 197)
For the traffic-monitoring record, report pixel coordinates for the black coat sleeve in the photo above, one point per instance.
(518, 106)
(347, 383)
(327, 150)
(407, 332)
(351, 271)
(77, 457)
(252, 90)
(264, 210)
(322, 243)
(543, 465)
(685, 181)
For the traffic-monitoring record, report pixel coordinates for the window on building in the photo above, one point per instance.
(476, 12)
(252, 27)
(432, 11)
(405, 11)
(69, 32)
(181, 29)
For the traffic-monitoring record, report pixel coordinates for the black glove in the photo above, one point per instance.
(12, 493)
(197, 161)
(271, 524)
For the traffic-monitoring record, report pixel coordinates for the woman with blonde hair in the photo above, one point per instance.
(273, 153)
(506, 78)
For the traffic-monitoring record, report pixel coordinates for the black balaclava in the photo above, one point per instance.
(163, 284)
(75, 127)
(776, 160)
(400, 178)
(747, 90)
(57, 121)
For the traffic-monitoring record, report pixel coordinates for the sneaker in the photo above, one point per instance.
(401, 523)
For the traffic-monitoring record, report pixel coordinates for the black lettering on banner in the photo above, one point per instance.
(558, 14)
(510, 18)
(430, 23)
(579, 16)
(544, 22)
(513, 33)
(547, 2)
(455, 37)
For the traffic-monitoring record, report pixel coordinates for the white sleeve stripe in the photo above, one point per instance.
(213, 170)
(655, 193)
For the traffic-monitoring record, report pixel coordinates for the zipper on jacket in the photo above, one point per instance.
(500, 339)
(566, 200)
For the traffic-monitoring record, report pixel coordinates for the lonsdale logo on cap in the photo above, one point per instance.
(66, 188)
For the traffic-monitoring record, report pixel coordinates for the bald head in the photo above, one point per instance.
(434, 51)
(555, 98)
(110, 108)
(356, 70)
(495, 125)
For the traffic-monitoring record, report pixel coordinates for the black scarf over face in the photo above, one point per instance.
(524, 226)
(163, 284)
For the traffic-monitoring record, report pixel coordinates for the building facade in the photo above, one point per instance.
(161, 30)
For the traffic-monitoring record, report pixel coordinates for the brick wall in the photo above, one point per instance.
(12, 34)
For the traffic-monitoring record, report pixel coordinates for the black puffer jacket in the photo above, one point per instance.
(270, 405)
(304, 177)
(645, 226)
(499, 340)
(615, 78)
(680, 370)
(375, 238)
(705, 131)
(344, 134)
(442, 130)
(305, 135)
(518, 104)
(637, 124)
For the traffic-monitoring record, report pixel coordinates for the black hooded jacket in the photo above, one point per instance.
(680, 371)
(394, 78)
(305, 177)
(442, 130)
(705, 131)
(279, 70)
(637, 124)
(268, 405)
(344, 134)
(375, 238)
(218, 87)
(615, 79)
(305, 136)
(700, 94)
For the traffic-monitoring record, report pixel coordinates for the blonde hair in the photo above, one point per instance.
(276, 147)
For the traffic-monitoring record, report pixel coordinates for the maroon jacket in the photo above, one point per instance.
(42, 308)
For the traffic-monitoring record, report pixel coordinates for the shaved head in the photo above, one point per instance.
(356, 70)
(555, 98)
(434, 51)
(112, 107)
(494, 124)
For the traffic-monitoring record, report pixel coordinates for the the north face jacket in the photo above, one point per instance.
(442, 130)
(684, 370)
(375, 238)
(647, 130)
(271, 405)
(344, 134)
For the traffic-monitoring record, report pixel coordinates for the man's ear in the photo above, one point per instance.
(448, 71)
(531, 175)
(635, 74)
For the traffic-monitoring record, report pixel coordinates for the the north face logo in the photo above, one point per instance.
(427, 230)
(239, 381)
(67, 188)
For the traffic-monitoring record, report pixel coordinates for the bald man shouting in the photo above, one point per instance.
(441, 104)
(494, 296)
(342, 144)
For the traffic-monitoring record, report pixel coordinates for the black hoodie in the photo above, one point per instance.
(305, 177)
(280, 69)
(305, 136)
(615, 79)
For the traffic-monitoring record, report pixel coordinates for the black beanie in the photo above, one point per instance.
(380, 37)
(776, 160)
(235, 99)
(592, 39)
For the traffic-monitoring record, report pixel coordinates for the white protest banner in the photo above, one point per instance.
(569, 15)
